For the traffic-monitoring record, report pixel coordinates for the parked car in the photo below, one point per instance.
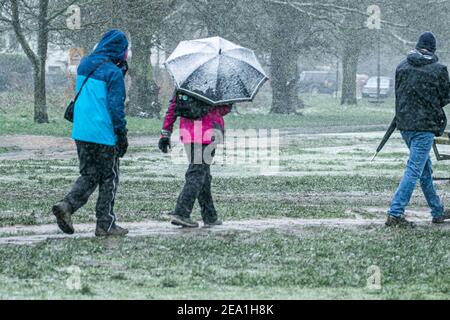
(317, 82)
(371, 87)
(56, 77)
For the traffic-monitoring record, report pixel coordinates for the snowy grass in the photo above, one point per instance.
(8, 149)
(318, 262)
(322, 176)
(28, 200)
(315, 181)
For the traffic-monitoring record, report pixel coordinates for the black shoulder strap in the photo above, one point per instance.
(87, 78)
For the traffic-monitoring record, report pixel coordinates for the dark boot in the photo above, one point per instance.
(186, 222)
(442, 218)
(115, 231)
(63, 213)
(208, 224)
(399, 222)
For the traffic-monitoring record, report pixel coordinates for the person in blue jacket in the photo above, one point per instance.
(100, 134)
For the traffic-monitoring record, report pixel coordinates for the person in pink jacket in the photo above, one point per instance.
(200, 137)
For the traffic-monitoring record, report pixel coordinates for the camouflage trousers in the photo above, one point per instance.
(198, 183)
(99, 166)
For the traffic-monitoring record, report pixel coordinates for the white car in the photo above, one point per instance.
(386, 87)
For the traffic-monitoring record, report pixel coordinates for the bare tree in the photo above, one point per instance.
(146, 23)
(271, 30)
(143, 21)
(31, 22)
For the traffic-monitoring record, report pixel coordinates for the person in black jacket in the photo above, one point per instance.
(422, 89)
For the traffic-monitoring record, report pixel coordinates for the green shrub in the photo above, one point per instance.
(14, 67)
(15, 63)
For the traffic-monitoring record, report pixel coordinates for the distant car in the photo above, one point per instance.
(56, 76)
(371, 87)
(317, 82)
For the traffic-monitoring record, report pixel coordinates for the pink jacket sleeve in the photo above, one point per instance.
(170, 117)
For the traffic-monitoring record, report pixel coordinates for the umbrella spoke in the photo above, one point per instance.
(234, 83)
(248, 68)
(206, 73)
(244, 55)
(182, 74)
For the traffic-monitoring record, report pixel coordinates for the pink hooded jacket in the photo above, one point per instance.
(199, 131)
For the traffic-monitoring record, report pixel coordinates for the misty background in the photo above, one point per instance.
(41, 41)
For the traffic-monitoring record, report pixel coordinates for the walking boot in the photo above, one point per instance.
(115, 231)
(63, 213)
(183, 221)
(442, 218)
(208, 224)
(400, 222)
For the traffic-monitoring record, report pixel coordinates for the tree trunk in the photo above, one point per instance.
(284, 76)
(38, 60)
(350, 66)
(144, 90)
(40, 99)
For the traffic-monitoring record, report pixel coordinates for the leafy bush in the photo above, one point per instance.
(15, 63)
(14, 67)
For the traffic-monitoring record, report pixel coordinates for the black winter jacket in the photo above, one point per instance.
(422, 89)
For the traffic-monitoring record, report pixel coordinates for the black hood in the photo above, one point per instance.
(418, 59)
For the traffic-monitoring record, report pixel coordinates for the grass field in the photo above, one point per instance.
(324, 174)
(315, 263)
(323, 112)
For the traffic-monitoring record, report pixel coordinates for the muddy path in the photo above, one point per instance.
(27, 147)
(28, 235)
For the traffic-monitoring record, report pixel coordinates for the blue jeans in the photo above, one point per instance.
(418, 167)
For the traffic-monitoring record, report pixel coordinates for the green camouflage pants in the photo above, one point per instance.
(198, 183)
(99, 166)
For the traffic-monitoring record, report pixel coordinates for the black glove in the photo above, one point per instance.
(164, 141)
(122, 144)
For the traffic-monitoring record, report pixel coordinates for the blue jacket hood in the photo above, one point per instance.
(113, 44)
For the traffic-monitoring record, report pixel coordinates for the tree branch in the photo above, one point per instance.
(297, 6)
(19, 33)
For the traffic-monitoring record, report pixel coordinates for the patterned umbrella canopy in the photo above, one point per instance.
(216, 70)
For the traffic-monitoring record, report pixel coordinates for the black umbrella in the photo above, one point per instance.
(386, 137)
(216, 70)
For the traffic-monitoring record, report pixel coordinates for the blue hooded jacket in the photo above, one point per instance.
(99, 112)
